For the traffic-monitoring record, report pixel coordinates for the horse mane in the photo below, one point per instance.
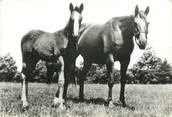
(129, 18)
(124, 21)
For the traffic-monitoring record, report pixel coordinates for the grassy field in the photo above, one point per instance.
(148, 101)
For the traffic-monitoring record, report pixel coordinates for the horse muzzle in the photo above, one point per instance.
(141, 43)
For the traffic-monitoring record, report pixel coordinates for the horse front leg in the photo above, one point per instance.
(58, 100)
(68, 69)
(110, 71)
(124, 66)
(83, 74)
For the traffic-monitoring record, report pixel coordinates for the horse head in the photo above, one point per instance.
(141, 27)
(75, 19)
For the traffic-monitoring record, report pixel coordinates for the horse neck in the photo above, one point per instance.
(67, 31)
(127, 23)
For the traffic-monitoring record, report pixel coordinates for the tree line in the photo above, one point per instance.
(149, 69)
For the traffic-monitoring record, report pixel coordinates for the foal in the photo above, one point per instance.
(39, 45)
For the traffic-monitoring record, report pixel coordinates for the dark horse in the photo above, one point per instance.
(110, 42)
(51, 47)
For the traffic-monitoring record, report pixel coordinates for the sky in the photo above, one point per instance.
(17, 17)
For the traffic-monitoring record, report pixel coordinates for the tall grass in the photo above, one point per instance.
(148, 101)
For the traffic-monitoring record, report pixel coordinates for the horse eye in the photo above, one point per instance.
(136, 27)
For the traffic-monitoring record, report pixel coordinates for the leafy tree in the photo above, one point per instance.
(98, 74)
(40, 72)
(148, 69)
(152, 69)
(8, 68)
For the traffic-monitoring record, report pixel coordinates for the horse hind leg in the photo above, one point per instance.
(110, 71)
(24, 83)
(27, 69)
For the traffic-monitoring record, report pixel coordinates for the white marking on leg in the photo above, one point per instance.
(111, 105)
(24, 98)
(59, 100)
(61, 78)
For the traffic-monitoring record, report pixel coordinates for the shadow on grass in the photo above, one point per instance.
(119, 104)
(101, 101)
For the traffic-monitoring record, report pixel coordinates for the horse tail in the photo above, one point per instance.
(73, 78)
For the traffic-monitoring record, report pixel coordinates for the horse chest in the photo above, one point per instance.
(122, 51)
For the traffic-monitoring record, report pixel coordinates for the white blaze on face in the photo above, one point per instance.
(141, 23)
(142, 39)
(76, 18)
(142, 29)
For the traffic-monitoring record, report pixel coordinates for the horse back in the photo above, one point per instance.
(29, 38)
(46, 46)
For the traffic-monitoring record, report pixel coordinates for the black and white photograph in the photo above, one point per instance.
(85, 58)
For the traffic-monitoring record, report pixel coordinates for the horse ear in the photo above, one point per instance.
(147, 11)
(81, 7)
(136, 10)
(71, 7)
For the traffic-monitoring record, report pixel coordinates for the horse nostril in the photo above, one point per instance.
(142, 46)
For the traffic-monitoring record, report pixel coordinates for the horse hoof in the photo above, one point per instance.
(132, 108)
(55, 105)
(81, 99)
(60, 103)
(25, 108)
(62, 107)
(123, 104)
(110, 105)
(56, 102)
